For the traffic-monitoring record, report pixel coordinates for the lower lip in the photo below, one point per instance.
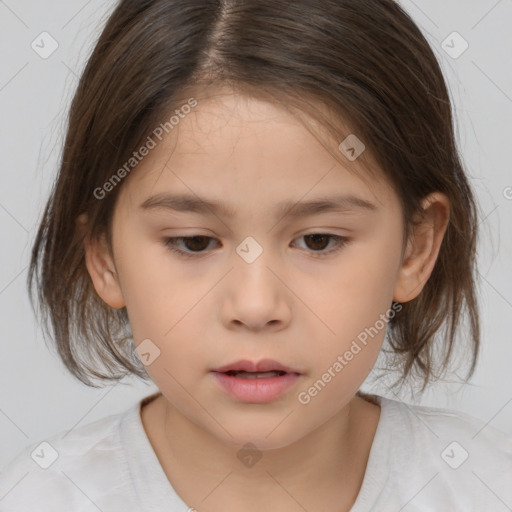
(256, 390)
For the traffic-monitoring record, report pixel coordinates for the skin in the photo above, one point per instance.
(289, 305)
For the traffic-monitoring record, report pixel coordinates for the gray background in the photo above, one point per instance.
(38, 397)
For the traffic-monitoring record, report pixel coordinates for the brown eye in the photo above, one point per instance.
(318, 242)
(196, 243)
(193, 245)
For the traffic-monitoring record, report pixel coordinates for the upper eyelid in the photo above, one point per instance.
(328, 233)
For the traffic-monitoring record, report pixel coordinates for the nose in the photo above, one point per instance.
(256, 295)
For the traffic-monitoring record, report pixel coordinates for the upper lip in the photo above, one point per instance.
(264, 365)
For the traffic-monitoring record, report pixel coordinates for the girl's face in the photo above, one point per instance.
(255, 284)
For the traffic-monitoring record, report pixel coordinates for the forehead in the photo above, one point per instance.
(238, 147)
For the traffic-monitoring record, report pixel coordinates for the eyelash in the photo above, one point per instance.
(170, 244)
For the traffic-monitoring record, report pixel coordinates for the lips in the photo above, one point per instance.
(256, 383)
(264, 365)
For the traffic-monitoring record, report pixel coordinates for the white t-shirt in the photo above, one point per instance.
(422, 459)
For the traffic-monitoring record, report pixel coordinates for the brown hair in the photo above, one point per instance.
(362, 64)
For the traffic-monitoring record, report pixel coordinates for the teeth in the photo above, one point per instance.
(256, 375)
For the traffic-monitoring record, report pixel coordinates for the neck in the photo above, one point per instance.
(324, 467)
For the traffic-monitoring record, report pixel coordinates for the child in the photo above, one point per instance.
(261, 128)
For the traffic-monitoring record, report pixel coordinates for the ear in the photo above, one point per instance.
(423, 247)
(100, 265)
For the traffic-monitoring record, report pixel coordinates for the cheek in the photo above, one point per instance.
(354, 305)
(157, 293)
(173, 325)
(356, 315)
(356, 291)
(167, 313)
(370, 272)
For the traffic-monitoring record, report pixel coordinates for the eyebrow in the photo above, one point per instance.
(195, 204)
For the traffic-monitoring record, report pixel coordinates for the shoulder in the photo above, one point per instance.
(433, 425)
(66, 470)
(448, 457)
